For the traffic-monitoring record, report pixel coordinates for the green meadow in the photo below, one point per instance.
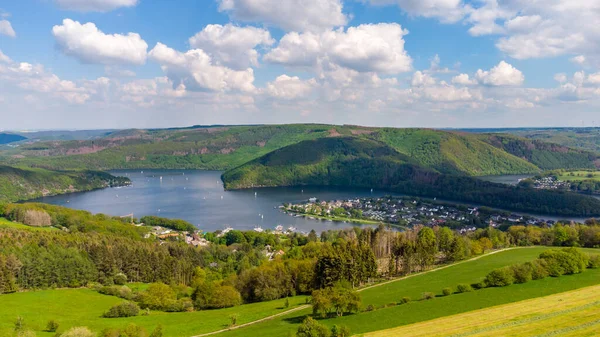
(84, 307)
(385, 317)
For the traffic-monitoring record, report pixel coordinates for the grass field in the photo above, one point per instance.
(84, 307)
(573, 313)
(4, 223)
(580, 175)
(435, 281)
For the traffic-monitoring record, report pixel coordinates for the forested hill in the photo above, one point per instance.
(547, 156)
(7, 138)
(370, 164)
(23, 184)
(226, 147)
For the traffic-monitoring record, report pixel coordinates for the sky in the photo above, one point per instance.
(93, 64)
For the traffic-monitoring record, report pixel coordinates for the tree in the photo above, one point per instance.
(336, 299)
(312, 236)
(426, 247)
(312, 328)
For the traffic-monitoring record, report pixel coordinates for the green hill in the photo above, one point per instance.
(24, 183)
(547, 156)
(365, 163)
(226, 147)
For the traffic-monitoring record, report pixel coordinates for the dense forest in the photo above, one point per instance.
(370, 164)
(226, 147)
(26, 183)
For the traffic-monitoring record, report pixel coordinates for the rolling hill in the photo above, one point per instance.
(347, 161)
(18, 184)
(226, 147)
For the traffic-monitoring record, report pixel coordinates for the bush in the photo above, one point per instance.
(539, 269)
(405, 300)
(184, 304)
(120, 279)
(463, 288)
(428, 296)
(522, 272)
(500, 277)
(78, 332)
(125, 309)
(478, 285)
(118, 291)
(594, 262)
(157, 332)
(52, 326)
(565, 261)
(447, 291)
(312, 328)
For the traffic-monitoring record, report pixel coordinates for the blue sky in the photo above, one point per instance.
(406, 63)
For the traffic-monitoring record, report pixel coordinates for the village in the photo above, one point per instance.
(550, 183)
(408, 212)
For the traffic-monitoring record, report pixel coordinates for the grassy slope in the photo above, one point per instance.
(26, 183)
(84, 307)
(574, 311)
(5, 223)
(440, 306)
(228, 147)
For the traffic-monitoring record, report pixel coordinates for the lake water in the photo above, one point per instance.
(199, 197)
(506, 179)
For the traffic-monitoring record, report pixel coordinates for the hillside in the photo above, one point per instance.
(22, 184)
(7, 138)
(547, 156)
(370, 164)
(226, 147)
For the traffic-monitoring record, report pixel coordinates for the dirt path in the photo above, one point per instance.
(306, 306)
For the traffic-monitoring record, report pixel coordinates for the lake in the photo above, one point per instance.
(199, 197)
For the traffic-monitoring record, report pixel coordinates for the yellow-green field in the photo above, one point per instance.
(4, 223)
(579, 175)
(573, 313)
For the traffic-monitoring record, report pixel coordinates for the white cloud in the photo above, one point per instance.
(593, 78)
(421, 79)
(34, 78)
(295, 49)
(519, 103)
(4, 58)
(7, 29)
(365, 48)
(579, 59)
(230, 45)
(95, 5)
(196, 70)
(291, 15)
(463, 79)
(503, 74)
(287, 87)
(447, 11)
(560, 78)
(90, 45)
(538, 29)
